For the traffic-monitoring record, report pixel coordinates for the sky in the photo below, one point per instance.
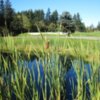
(89, 9)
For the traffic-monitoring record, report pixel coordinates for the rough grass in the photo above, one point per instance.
(13, 79)
(88, 49)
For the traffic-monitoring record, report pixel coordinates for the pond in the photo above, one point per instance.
(70, 77)
(48, 74)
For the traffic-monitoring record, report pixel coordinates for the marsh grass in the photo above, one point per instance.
(18, 81)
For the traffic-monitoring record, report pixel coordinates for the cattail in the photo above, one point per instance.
(47, 44)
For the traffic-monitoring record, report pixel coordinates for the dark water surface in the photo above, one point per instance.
(70, 78)
(69, 75)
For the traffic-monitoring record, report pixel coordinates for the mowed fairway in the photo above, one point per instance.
(88, 34)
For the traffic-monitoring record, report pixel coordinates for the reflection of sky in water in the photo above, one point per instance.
(70, 77)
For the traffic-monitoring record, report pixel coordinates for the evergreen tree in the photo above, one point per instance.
(78, 23)
(26, 23)
(1, 13)
(17, 24)
(48, 15)
(67, 24)
(54, 17)
(38, 15)
(98, 26)
(9, 13)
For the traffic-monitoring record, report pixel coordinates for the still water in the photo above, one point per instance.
(70, 71)
(69, 76)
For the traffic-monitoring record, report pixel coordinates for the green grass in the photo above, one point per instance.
(13, 78)
(91, 34)
(86, 49)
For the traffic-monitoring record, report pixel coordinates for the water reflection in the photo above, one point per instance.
(70, 77)
(68, 73)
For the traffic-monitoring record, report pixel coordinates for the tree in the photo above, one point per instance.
(82, 27)
(38, 20)
(67, 24)
(17, 24)
(38, 15)
(52, 27)
(48, 16)
(78, 23)
(9, 13)
(30, 15)
(1, 13)
(98, 26)
(1, 6)
(41, 25)
(54, 17)
(26, 23)
(91, 27)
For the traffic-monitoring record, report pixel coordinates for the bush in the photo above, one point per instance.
(52, 27)
(4, 31)
(42, 27)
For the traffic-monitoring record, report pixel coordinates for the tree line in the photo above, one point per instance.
(14, 23)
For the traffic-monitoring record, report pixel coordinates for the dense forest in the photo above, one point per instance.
(14, 23)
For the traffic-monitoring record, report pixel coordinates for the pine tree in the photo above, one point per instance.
(1, 13)
(98, 26)
(9, 12)
(67, 24)
(48, 15)
(54, 17)
(80, 26)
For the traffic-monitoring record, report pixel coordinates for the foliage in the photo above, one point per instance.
(29, 20)
(54, 17)
(26, 23)
(52, 27)
(17, 24)
(8, 14)
(4, 31)
(98, 26)
(90, 28)
(1, 13)
(78, 23)
(41, 25)
(47, 17)
(67, 24)
(17, 81)
(38, 15)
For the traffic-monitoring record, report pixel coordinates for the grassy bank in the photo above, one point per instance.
(87, 49)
